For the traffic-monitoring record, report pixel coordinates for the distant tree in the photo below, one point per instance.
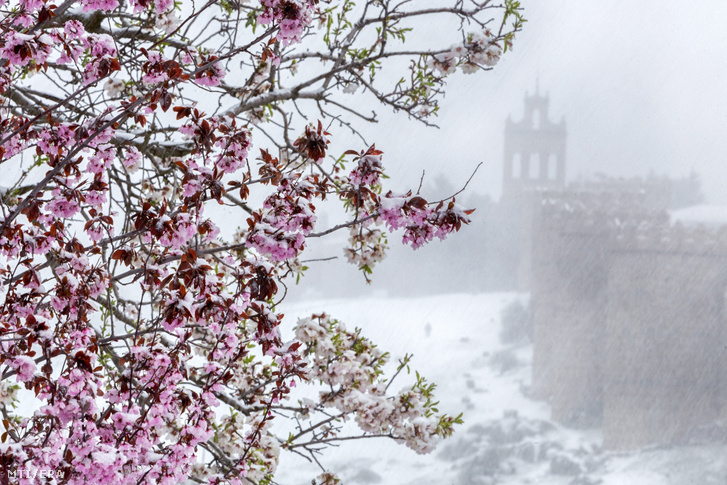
(160, 163)
(517, 323)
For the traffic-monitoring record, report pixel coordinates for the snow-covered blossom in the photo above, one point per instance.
(212, 75)
(351, 88)
(8, 393)
(113, 87)
(480, 49)
(368, 170)
(148, 237)
(367, 246)
(351, 367)
(327, 478)
(292, 16)
(420, 221)
(24, 366)
(288, 215)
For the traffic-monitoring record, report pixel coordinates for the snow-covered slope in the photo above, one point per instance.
(507, 438)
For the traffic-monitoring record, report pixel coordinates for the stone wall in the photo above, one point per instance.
(568, 289)
(665, 347)
(628, 313)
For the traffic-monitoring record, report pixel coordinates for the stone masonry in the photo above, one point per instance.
(630, 329)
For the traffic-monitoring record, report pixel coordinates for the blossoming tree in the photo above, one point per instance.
(160, 163)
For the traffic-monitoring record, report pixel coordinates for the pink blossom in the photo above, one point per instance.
(212, 76)
(74, 29)
(161, 6)
(62, 207)
(292, 17)
(103, 5)
(24, 366)
(132, 158)
(95, 198)
(102, 160)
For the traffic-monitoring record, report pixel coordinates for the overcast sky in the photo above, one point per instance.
(641, 85)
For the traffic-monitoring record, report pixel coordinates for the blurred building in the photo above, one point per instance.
(629, 313)
(535, 162)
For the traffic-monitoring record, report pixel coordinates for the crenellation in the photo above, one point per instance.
(677, 238)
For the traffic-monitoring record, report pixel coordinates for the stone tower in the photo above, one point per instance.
(534, 159)
(534, 149)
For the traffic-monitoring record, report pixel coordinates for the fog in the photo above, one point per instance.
(579, 321)
(623, 265)
(640, 85)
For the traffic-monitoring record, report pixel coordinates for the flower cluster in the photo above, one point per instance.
(480, 49)
(368, 169)
(144, 255)
(279, 229)
(288, 215)
(103, 57)
(8, 393)
(210, 72)
(20, 49)
(263, 459)
(420, 221)
(351, 367)
(327, 478)
(292, 16)
(366, 246)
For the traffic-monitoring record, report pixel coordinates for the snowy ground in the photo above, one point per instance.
(507, 438)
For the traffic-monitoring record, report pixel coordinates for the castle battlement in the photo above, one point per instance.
(629, 310)
(677, 238)
(574, 211)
